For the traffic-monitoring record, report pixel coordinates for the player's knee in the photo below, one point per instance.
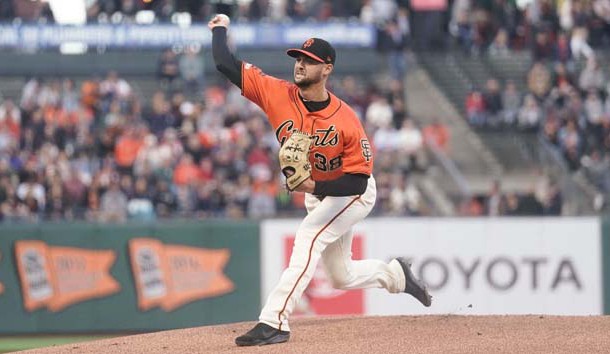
(339, 280)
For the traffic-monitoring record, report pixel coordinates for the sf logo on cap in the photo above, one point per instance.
(308, 43)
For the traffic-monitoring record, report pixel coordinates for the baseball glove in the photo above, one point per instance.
(294, 159)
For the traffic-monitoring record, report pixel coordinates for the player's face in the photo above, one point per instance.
(309, 72)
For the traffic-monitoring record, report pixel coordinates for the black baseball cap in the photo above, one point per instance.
(317, 49)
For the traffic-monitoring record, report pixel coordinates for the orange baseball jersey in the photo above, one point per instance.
(340, 144)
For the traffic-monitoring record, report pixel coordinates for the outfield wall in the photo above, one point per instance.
(101, 278)
(98, 278)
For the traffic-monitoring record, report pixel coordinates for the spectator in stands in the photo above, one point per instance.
(32, 193)
(539, 80)
(56, 200)
(113, 204)
(578, 44)
(164, 200)
(472, 206)
(592, 77)
(10, 118)
(463, 32)
(186, 172)
(170, 149)
(159, 118)
(561, 76)
(392, 40)
(49, 95)
(7, 193)
(475, 109)
(437, 134)
(192, 70)
(148, 158)
(594, 110)
(512, 205)
(76, 192)
(385, 138)
(499, 46)
(353, 93)
(404, 198)
(511, 102)
(399, 112)
(126, 184)
(168, 69)
(29, 94)
(127, 149)
(562, 52)
(114, 119)
(90, 93)
(69, 96)
(570, 141)
(493, 102)
(484, 30)
(496, 203)
(543, 47)
(378, 11)
(241, 193)
(597, 169)
(530, 114)
(114, 87)
(379, 113)
(409, 145)
(262, 198)
(140, 206)
(553, 205)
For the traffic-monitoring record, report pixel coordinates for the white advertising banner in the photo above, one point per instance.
(472, 265)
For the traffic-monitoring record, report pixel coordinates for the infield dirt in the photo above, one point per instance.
(373, 335)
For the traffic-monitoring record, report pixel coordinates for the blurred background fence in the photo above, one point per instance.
(88, 278)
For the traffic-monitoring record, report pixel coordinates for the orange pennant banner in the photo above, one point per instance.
(171, 276)
(81, 275)
(195, 273)
(149, 270)
(58, 277)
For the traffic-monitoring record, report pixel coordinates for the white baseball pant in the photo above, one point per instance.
(326, 232)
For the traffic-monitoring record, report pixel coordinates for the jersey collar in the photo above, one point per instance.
(327, 112)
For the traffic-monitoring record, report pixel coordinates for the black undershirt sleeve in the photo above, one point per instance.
(348, 184)
(225, 61)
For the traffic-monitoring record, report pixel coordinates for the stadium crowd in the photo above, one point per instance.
(201, 10)
(567, 93)
(99, 151)
(96, 150)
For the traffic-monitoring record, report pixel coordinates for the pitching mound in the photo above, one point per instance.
(371, 335)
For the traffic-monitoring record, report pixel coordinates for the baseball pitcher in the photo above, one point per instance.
(326, 154)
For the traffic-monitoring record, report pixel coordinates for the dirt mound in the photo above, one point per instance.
(371, 335)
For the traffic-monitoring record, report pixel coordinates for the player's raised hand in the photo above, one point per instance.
(220, 20)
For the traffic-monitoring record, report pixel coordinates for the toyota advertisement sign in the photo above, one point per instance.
(472, 266)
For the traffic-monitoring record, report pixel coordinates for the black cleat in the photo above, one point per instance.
(262, 334)
(414, 286)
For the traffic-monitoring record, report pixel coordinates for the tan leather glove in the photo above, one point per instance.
(294, 159)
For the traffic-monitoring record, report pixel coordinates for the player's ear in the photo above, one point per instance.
(328, 69)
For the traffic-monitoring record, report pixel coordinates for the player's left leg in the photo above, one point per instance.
(346, 273)
(395, 276)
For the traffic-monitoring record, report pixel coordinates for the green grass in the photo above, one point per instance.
(12, 344)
